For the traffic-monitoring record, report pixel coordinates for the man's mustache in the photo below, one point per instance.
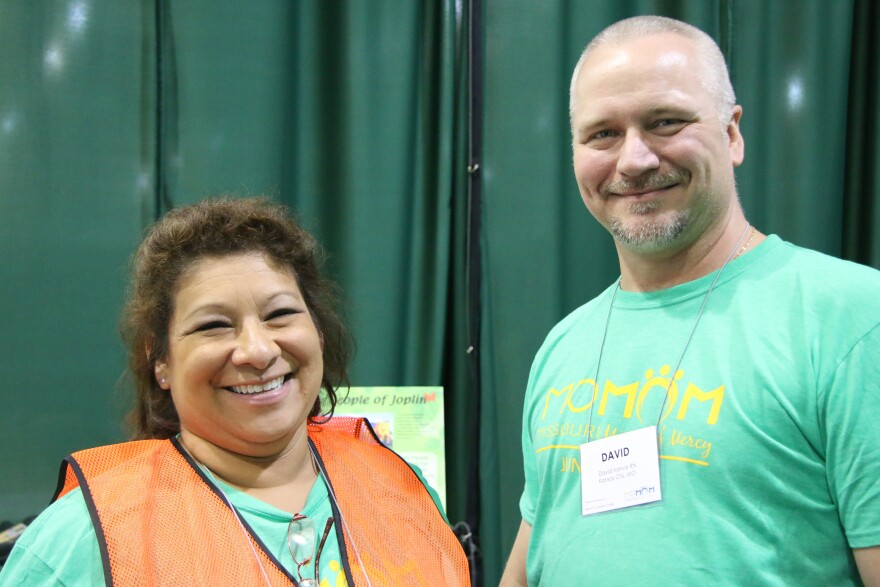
(645, 183)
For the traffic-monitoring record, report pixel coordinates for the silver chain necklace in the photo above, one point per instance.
(683, 351)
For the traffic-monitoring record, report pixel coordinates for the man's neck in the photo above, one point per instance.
(651, 272)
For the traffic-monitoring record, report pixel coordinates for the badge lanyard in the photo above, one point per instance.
(624, 470)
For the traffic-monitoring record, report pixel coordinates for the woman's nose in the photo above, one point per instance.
(255, 346)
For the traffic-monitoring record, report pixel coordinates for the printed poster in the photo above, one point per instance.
(408, 420)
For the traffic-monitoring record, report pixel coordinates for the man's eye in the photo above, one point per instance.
(602, 134)
(668, 122)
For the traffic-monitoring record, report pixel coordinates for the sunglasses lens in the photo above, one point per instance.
(301, 539)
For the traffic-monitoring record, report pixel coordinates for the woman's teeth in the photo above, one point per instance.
(251, 389)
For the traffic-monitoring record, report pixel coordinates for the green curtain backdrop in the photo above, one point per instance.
(357, 115)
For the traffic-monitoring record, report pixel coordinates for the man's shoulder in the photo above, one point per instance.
(820, 296)
(820, 260)
(827, 276)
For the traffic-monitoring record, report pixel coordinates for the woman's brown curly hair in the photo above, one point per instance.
(218, 227)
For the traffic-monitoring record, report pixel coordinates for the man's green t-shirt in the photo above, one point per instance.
(769, 452)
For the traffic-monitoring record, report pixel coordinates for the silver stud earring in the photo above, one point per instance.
(162, 381)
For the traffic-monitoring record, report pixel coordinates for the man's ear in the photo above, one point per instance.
(737, 146)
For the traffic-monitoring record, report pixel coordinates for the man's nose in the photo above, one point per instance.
(636, 155)
(255, 346)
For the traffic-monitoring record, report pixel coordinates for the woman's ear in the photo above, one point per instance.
(160, 370)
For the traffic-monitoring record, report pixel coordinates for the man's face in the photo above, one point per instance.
(653, 161)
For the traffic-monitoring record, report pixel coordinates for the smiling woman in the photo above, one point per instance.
(197, 237)
(239, 470)
(244, 363)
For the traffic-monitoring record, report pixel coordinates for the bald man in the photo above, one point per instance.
(712, 417)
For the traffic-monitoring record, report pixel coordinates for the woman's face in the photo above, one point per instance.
(245, 360)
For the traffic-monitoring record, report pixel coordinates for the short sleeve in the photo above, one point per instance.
(58, 548)
(850, 410)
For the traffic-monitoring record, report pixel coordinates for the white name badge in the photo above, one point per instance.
(620, 471)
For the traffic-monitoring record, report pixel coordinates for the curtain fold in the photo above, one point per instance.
(861, 242)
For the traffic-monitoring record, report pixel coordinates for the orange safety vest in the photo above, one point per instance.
(159, 520)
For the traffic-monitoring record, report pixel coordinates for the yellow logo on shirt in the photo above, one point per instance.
(580, 396)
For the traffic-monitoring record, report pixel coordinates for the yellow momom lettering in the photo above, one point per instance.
(629, 390)
(551, 392)
(667, 387)
(716, 395)
(587, 405)
(569, 390)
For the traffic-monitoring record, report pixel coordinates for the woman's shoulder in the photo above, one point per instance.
(59, 547)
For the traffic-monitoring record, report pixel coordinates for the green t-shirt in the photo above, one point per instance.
(60, 547)
(769, 451)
